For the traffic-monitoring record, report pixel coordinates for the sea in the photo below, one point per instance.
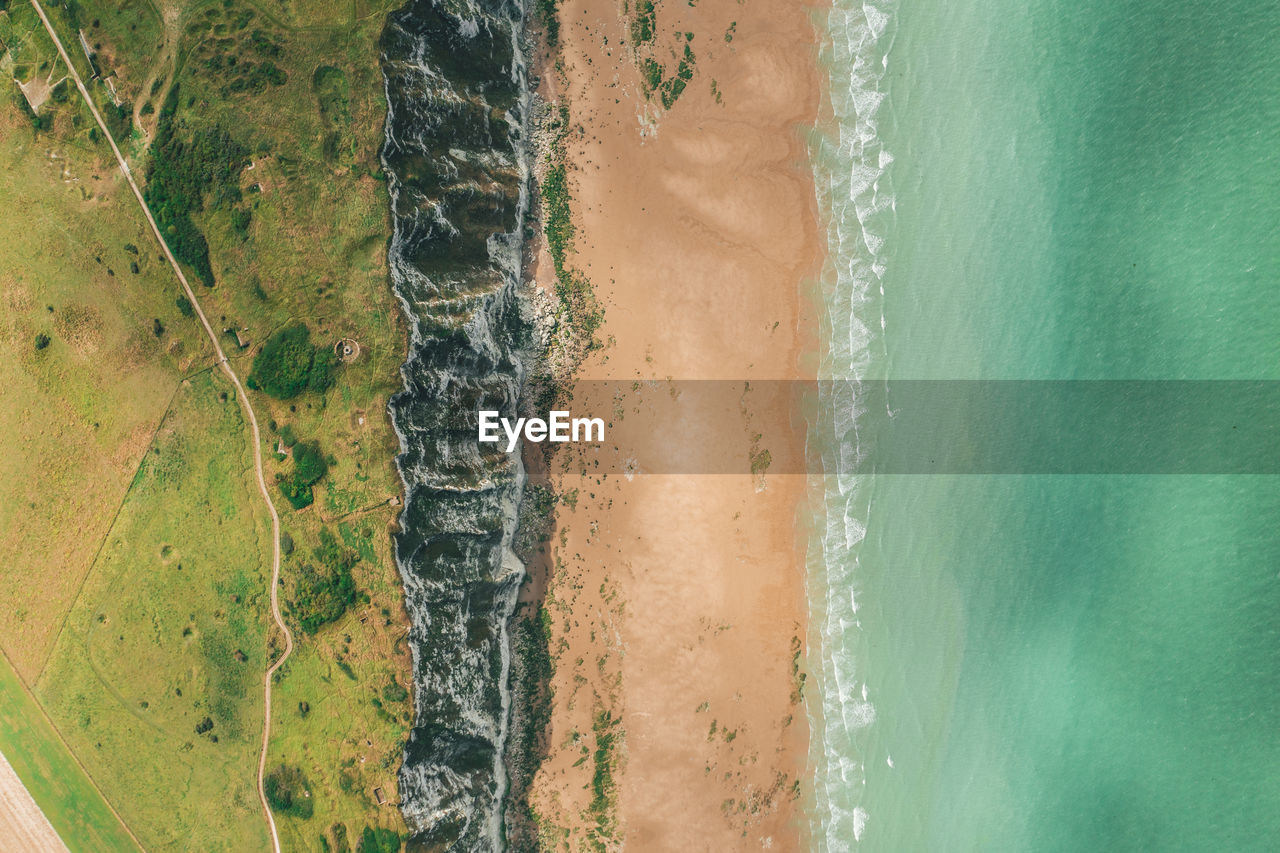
(1083, 654)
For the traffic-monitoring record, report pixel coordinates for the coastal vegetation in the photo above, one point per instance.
(286, 790)
(531, 672)
(549, 20)
(289, 364)
(183, 170)
(324, 588)
(580, 313)
(644, 23)
(644, 46)
(603, 806)
(147, 645)
(531, 822)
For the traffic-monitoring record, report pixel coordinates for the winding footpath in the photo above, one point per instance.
(244, 401)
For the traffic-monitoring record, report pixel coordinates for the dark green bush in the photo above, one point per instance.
(288, 364)
(642, 28)
(651, 73)
(42, 340)
(378, 841)
(326, 588)
(240, 219)
(308, 463)
(298, 494)
(181, 173)
(309, 466)
(550, 21)
(286, 791)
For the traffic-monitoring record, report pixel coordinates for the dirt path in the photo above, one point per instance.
(244, 402)
(22, 825)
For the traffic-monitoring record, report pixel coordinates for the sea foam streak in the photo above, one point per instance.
(851, 172)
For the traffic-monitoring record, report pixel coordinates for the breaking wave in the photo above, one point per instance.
(851, 170)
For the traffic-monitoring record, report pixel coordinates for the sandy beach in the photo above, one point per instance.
(676, 602)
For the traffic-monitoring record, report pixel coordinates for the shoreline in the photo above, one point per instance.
(675, 611)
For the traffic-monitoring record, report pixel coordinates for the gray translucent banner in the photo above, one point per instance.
(766, 428)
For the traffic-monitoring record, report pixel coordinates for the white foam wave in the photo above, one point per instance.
(855, 189)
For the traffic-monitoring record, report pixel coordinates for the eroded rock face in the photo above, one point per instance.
(454, 158)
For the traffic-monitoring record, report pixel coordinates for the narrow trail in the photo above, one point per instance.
(244, 402)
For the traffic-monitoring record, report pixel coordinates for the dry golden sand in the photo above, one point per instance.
(677, 602)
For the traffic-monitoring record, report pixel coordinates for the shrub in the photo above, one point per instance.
(289, 364)
(642, 28)
(299, 495)
(42, 340)
(181, 173)
(185, 307)
(326, 588)
(651, 73)
(550, 22)
(559, 223)
(240, 219)
(378, 841)
(308, 463)
(320, 378)
(286, 790)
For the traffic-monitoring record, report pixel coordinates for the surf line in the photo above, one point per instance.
(558, 427)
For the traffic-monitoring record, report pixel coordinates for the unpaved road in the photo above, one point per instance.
(244, 402)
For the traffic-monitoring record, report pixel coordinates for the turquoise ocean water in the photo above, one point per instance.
(1037, 189)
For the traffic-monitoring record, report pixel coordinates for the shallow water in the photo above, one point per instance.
(1048, 190)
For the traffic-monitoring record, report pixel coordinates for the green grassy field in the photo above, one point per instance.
(170, 630)
(135, 585)
(59, 786)
(81, 411)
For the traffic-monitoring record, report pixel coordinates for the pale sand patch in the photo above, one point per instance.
(22, 825)
(677, 602)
